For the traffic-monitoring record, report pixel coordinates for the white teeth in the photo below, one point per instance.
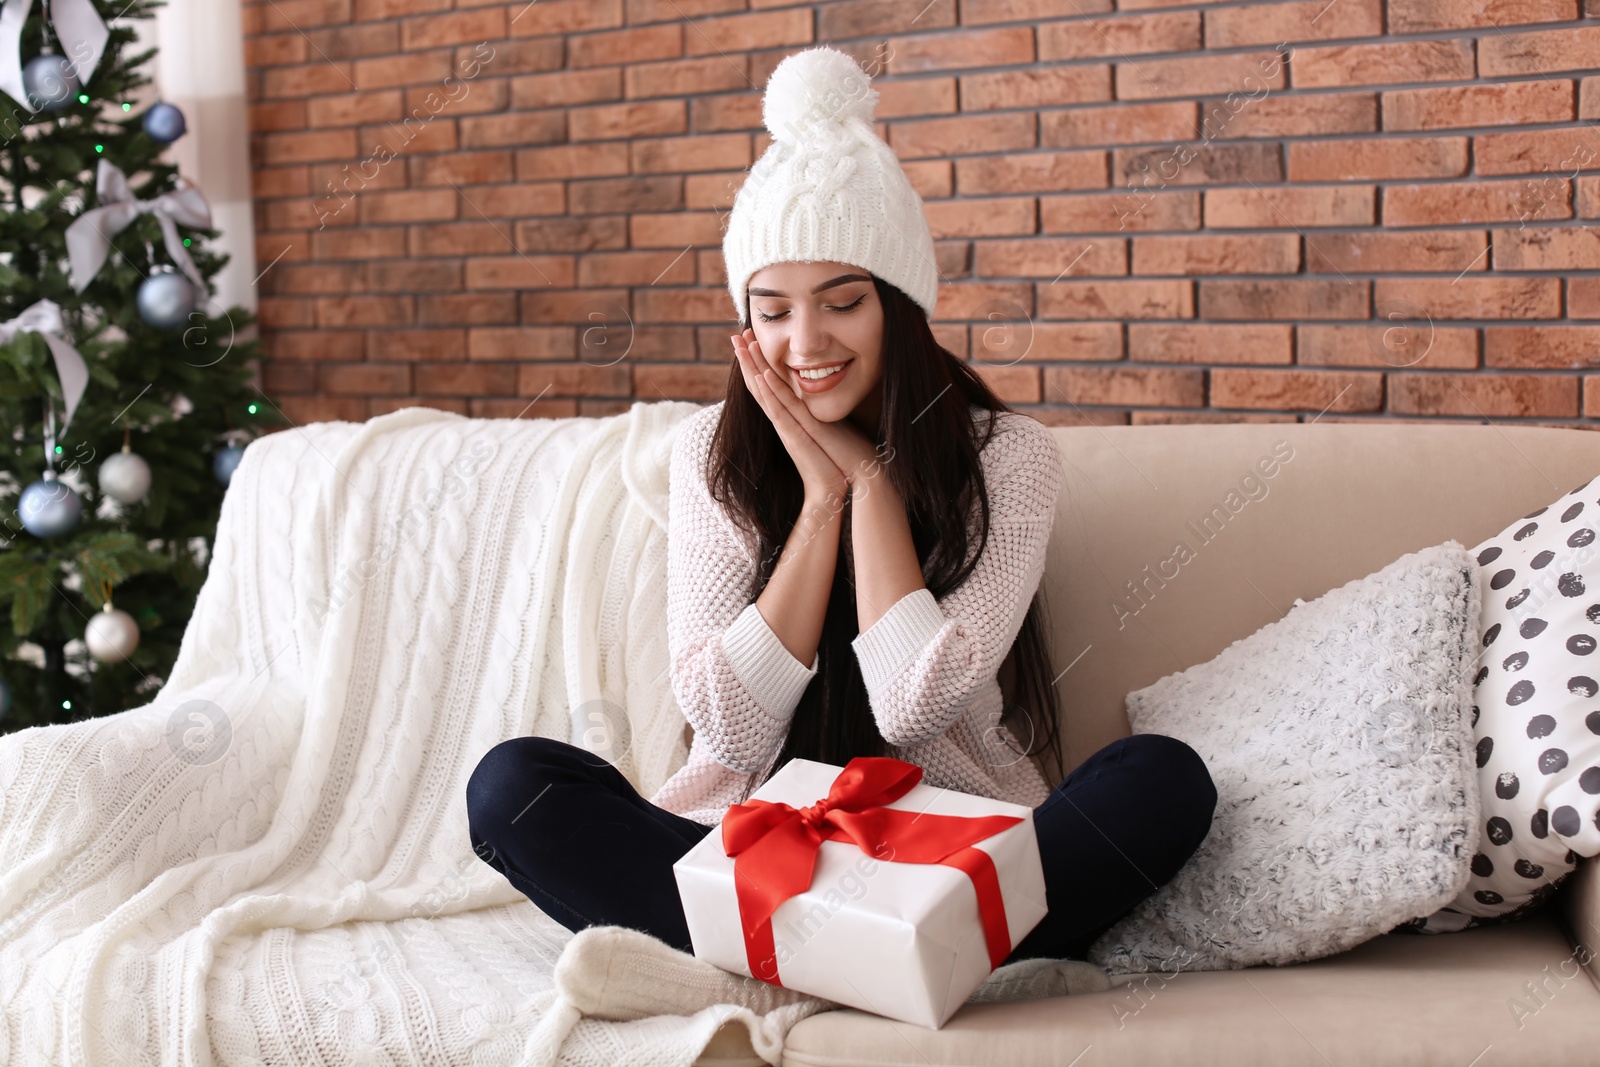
(813, 375)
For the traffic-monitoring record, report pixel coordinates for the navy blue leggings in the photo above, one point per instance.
(569, 831)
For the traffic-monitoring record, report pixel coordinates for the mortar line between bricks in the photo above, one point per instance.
(1429, 133)
(1468, 33)
(687, 21)
(313, 44)
(1308, 245)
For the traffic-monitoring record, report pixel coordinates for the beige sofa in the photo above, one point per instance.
(1352, 498)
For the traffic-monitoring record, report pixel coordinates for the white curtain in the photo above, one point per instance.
(200, 68)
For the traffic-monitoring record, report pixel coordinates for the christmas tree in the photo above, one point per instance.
(126, 389)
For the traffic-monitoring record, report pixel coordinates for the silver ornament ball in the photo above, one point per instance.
(125, 477)
(49, 508)
(50, 82)
(111, 635)
(5, 697)
(164, 123)
(226, 463)
(166, 299)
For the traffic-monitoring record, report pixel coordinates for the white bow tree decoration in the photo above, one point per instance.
(78, 26)
(89, 236)
(44, 318)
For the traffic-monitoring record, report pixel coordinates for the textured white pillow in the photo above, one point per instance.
(1536, 715)
(1340, 744)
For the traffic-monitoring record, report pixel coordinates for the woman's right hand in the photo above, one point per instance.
(823, 480)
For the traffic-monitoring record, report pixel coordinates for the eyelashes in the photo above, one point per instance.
(842, 310)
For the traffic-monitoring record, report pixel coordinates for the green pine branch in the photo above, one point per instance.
(173, 393)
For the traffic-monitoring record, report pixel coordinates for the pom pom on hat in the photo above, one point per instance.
(817, 85)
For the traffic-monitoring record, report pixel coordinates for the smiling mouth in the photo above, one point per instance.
(820, 372)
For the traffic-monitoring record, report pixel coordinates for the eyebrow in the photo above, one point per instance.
(840, 280)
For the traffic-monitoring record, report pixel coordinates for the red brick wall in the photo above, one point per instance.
(1165, 212)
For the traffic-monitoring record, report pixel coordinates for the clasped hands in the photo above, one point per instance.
(834, 458)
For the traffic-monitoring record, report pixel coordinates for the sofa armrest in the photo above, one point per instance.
(1577, 904)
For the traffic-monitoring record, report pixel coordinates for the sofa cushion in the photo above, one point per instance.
(1394, 1000)
(1339, 741)
(1536, 718)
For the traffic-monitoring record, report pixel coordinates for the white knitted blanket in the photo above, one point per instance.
(269, 863)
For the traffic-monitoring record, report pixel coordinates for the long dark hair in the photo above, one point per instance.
(925, 413)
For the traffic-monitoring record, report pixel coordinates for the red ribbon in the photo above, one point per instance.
(774, 848)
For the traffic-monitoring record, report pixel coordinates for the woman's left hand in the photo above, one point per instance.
(850, 449)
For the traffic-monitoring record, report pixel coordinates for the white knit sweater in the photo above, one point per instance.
(930, 666)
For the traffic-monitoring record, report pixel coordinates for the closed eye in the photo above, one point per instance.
(841, 310)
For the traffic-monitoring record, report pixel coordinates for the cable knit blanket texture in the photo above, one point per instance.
(269, 863)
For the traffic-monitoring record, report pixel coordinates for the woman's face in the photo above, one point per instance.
(822, 315)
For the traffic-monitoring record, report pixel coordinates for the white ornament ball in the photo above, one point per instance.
(165, 300)
(111, 635)
(49, 508)
(50, 82)
(125, 477)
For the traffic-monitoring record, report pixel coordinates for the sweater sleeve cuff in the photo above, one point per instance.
(889, 645)
(765, 665)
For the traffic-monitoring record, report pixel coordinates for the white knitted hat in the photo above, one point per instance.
(828, 189)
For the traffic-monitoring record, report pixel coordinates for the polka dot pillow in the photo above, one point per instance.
(1536, 716)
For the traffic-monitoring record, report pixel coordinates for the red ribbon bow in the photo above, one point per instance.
(774, 846)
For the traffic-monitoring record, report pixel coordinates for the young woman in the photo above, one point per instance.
(856, 540)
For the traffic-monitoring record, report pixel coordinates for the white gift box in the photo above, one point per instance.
(902, 940)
